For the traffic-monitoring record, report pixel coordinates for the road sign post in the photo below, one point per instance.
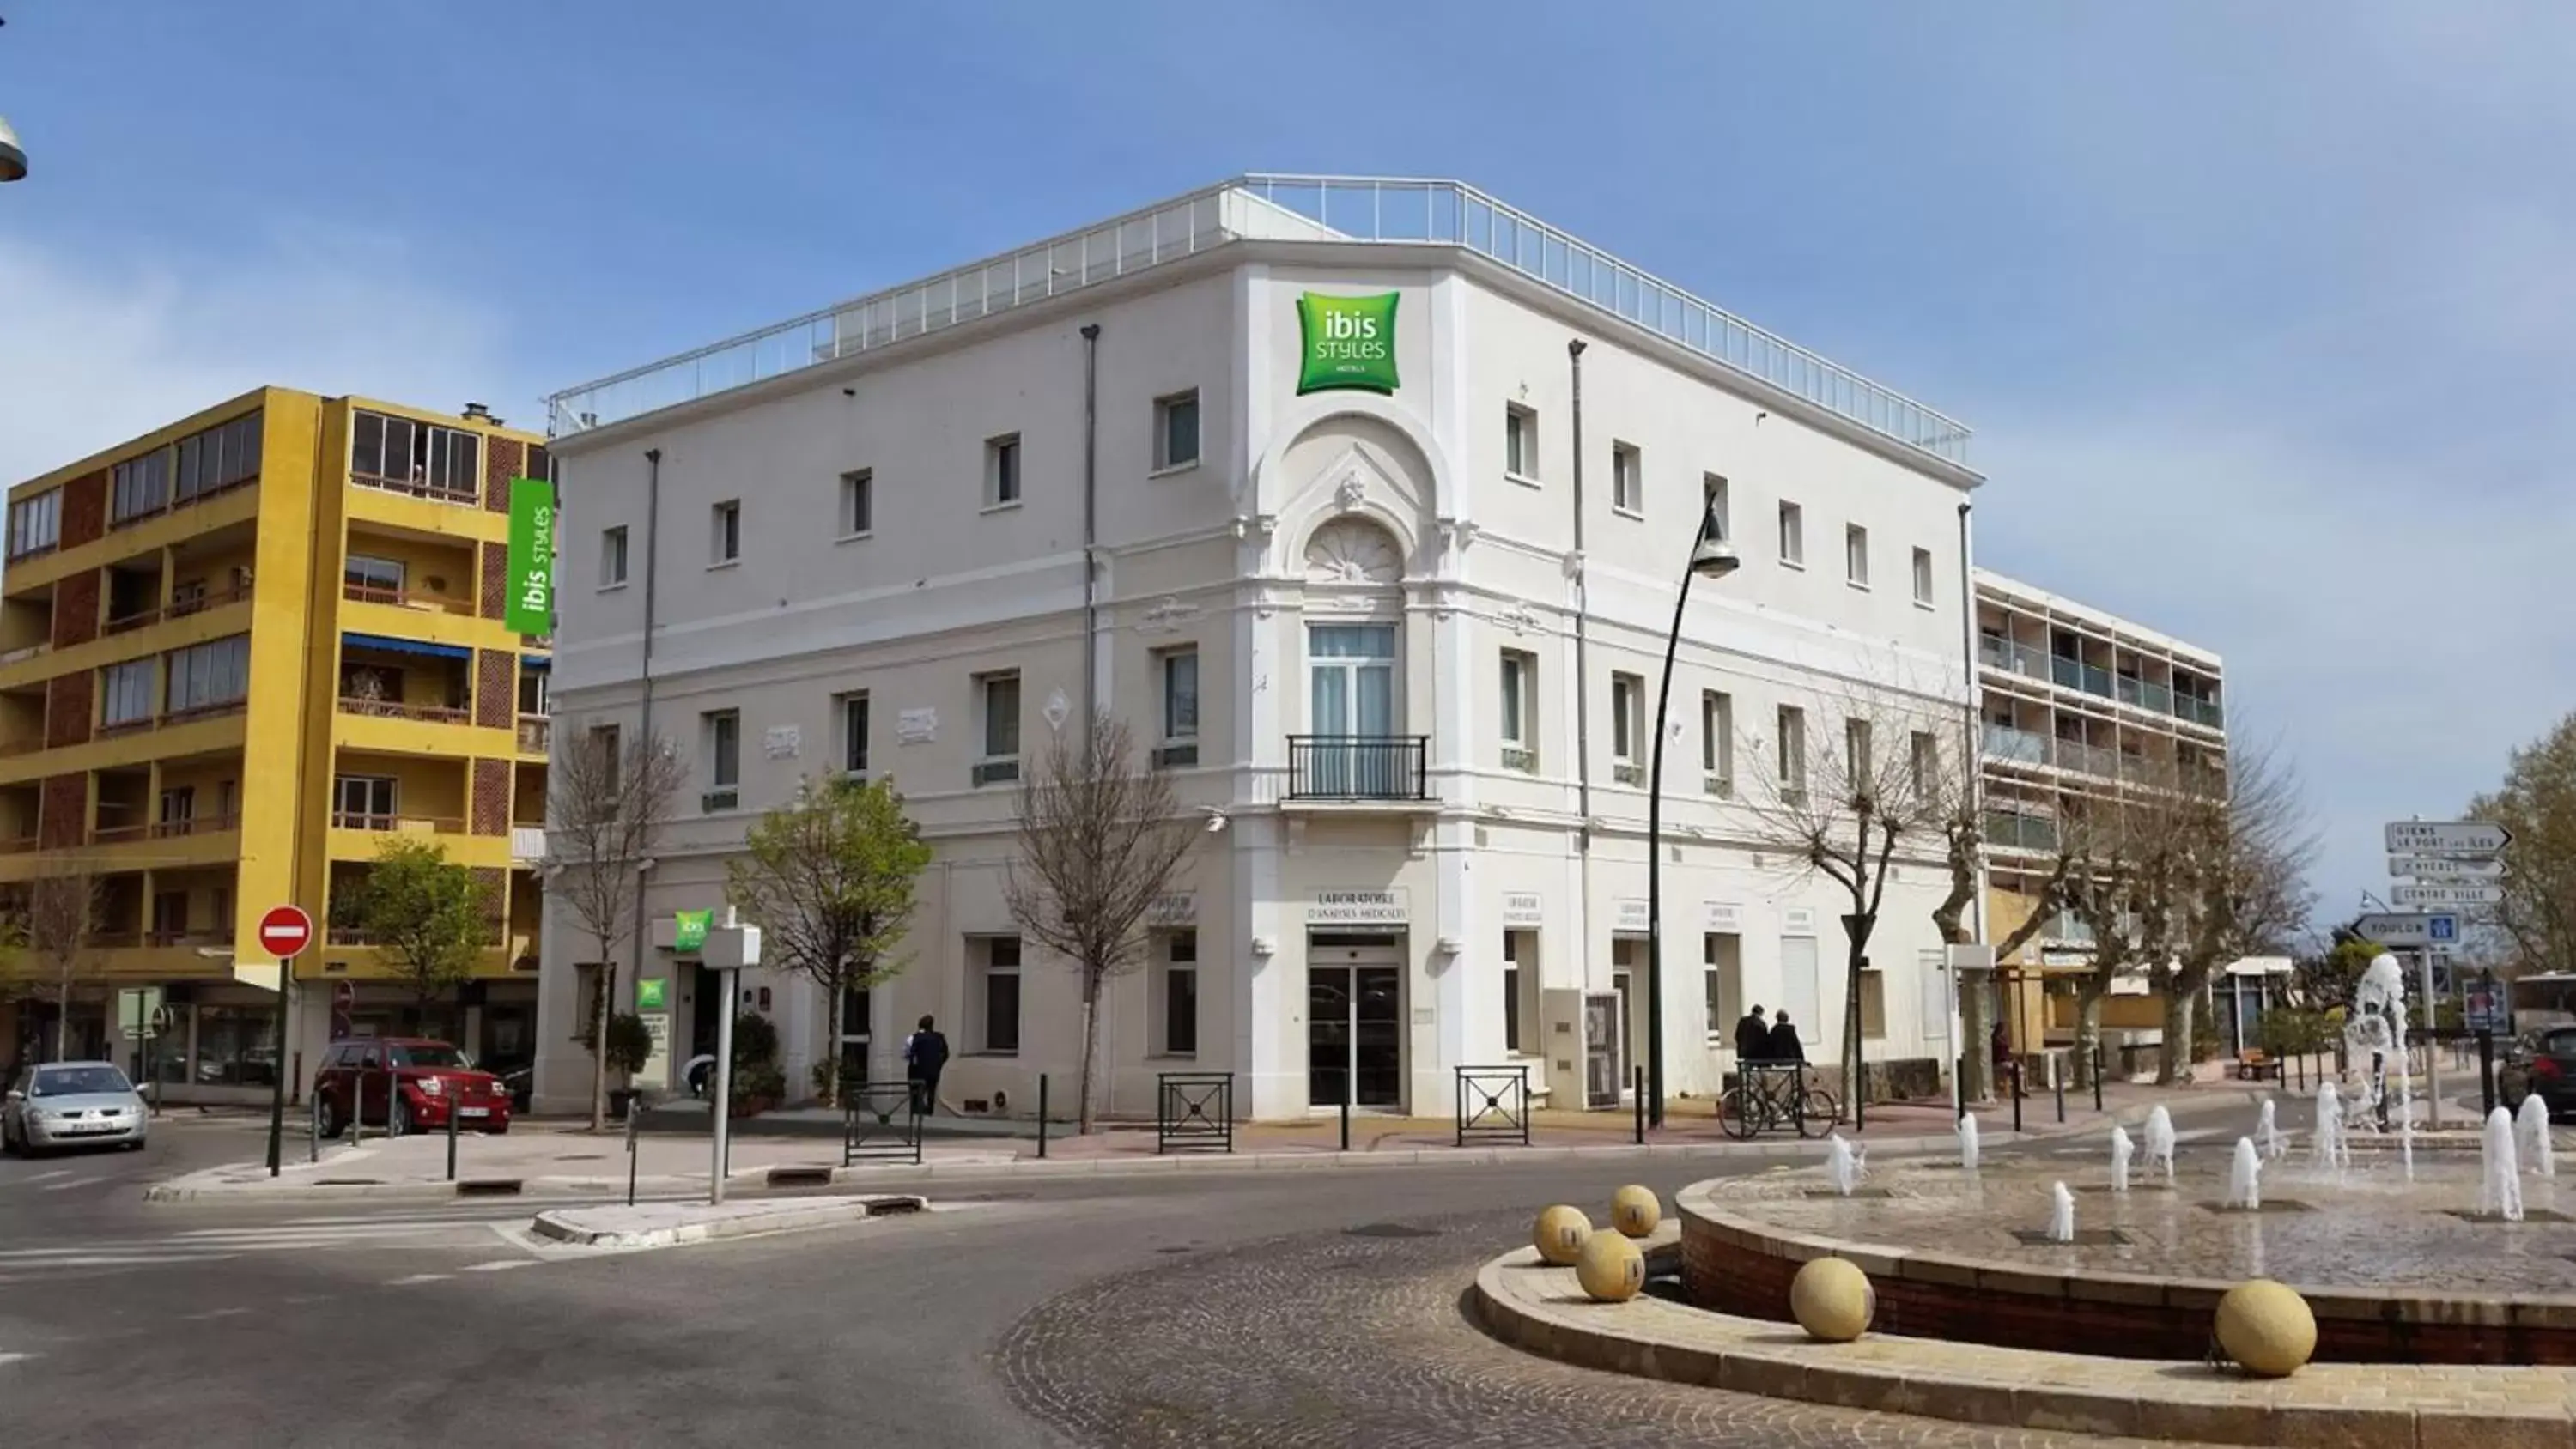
(283, 933)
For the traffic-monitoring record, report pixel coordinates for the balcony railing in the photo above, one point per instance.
(1327, 209)
(120, 834)
(527, 842)
(2200, 711)
(182, 605)
(536, 731)
(197, 825)
(2145, 694)
(26, 652)
(20, 845)
(348, 936)
(404, 599)
(2011, 657)
(2020, 747)
(128, 623)
(419, 487)
(1359, 767)
(209, 710)
(397, 709)
(413, 824)
(2006, 831)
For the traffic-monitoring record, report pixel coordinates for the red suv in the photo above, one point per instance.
(427, 1081)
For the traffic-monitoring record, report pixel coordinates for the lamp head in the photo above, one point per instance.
(13, 156)
(1713, 558)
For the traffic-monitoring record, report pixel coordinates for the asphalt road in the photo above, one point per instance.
(1200, 1308)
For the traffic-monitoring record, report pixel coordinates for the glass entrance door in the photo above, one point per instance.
(1351, 707)
(1355, 1035)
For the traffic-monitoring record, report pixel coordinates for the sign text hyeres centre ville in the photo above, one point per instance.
(1349, 342)
(531, 605)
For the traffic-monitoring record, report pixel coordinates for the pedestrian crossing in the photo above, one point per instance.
(447, 1231)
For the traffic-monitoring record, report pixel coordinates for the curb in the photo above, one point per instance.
(788, 1218)
(1996, 1387)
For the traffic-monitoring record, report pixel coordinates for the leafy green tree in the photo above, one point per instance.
(831, 879)
(2537, 802)
(429, 917)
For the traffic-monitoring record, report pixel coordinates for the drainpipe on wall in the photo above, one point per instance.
(644, 727)
(1090, 525)
(1582, 684)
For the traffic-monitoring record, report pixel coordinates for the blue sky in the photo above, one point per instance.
(2262, 313)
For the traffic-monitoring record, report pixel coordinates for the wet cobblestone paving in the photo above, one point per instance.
(1359, 1339)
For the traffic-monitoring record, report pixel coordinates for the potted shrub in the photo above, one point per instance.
(758, 1084)
(630, 1044)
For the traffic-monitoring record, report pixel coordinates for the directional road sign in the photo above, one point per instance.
(2409, 928)
(2430, 868)
(2448, 837)
(2446, 895)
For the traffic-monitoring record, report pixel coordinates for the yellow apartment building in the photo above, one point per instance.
(237, 654)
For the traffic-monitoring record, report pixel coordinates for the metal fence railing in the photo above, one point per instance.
(1493, 1104)
(1193, 1111)
(880, 1122)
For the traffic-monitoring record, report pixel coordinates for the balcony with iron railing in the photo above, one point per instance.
(2012, 657)
(1359, 768)
(2008, 831)
(403, 709)
(1363, 210)
(2016, 746)
(417, 484)
(536, 731)
(414, 599)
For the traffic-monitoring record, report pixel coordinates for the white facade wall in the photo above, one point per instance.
(1274, 530)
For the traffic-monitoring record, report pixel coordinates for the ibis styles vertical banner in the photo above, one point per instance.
(689, 931)
(531, 607)
(1349, 342)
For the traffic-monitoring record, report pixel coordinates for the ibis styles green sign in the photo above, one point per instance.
(1349, 342)
(531, 605)
(689, 931)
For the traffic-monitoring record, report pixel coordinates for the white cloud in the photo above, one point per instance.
(97, 347)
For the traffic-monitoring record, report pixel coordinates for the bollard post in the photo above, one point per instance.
(1346, 1110)
(451, 1141)
(2486, 1073)
(2097, 1076)
(313, 1121)
(1042, 1111)
(631, 1116)
(2057, 1078)
(1962, 1070)
(2016, 1076)
(1641, 1106)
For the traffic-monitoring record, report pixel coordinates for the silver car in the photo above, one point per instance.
(70, 1104)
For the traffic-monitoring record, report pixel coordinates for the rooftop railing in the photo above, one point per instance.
(1275, 207)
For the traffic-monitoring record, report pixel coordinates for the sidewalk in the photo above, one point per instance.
(567, 1161)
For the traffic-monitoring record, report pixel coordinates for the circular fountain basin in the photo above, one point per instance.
(2396, 1271)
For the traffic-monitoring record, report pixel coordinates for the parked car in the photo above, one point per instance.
(410, 1084)
(71, 1104)
(2542, 1062)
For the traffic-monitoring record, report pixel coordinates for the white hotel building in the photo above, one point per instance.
(912, 535)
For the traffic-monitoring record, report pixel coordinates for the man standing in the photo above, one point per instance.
(1752, 1038)
(925, 1052)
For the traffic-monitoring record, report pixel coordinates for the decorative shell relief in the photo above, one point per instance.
(1353, 551)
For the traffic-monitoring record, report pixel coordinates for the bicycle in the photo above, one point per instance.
(1767, 1097)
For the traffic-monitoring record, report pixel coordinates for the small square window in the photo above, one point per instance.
(1520, 443)
(1520, 676)
(853, 726)
(723, 734)
(1627, 478)
(725, 533)
(1627, 717)
(1793, 535)
(1792, 746)
(858, 503)
(1180, 687)
(1923, 577)
(1856, 556)
(1176, 430)
(612, 557)
(1717, 742)
(997, 703)
(1002, 471)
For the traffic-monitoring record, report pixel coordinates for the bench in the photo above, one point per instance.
(2255, 1065)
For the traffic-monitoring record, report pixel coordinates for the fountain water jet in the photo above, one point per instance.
(2532, 1128)
(2061, 1215)
(2160, 1142)
(2245, 1176)
(2328, 1151)
(2267, 1130)
(1844, 1166)
(2499, 1177)
(1968, 1141)
(2120, 1150)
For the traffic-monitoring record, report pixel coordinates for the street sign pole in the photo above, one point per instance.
(284, 932)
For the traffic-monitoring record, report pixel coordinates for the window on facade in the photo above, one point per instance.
(997, 705)
(1002, 470)
(1793, 535)
(612, 556)
(605, 740)
(218, 458)
(1627, 478)
(378, 580)
(996, 960)
(724, 532)
(1873, 1002)
(1722, 981)
(858, 503)
(178, 808)
(1792, 750)
(36, 523)
(141, 486)
(363, 802)
(1856, 555)
(1717, 741)
(722, 732)
(202, 676)
(1180, 670)
(1520, 993)
(125, 693)
(851, 720)
(1520, 442)
(536, 691)
(1179, 998)
(1860, 767)
(1176, 430)
(1519, 729)
(1627, 716)
(1923, 756)
(1923, 577)
(1713, 506)
(416, 456)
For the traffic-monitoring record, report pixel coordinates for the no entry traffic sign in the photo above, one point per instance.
(285, 931)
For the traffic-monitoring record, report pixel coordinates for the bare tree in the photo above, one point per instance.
(2240, 884)
(830, 879)
(1851, 809)
(63, 902)
(605, 810)
(1100, 841)
(1964, 843)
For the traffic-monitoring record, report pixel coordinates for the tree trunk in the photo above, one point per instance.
(832, 1078)
(599, 1045)
(2088, 1030)
(2176, 1064)
(1976, 1050)
(1854, 1086)
(1090, 1045)
(63, 1016)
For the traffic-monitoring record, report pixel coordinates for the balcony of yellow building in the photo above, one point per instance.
(161, 925)
(407, 696)
(349, 950)
(378, 796)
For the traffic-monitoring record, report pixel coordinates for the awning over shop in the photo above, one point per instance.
(407, 646)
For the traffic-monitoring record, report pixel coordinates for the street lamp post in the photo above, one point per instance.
(1710, 555)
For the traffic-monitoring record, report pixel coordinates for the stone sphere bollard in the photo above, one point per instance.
(2267, 1328)
(1832, 1300)
(1634, 1210)
(1559, 1234)
(1611, 1268)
